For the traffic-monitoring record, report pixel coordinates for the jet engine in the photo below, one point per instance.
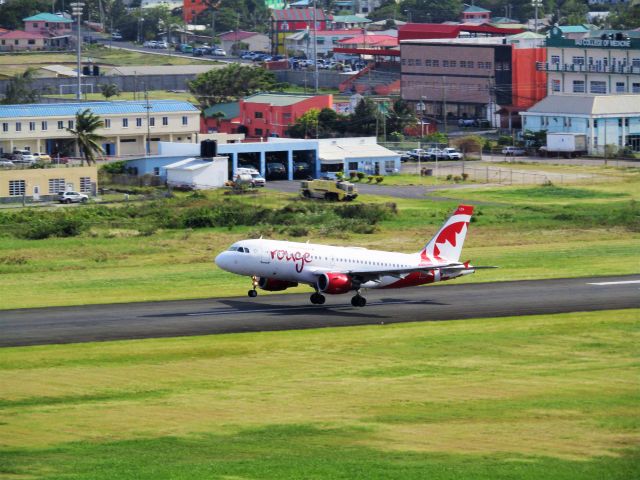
(334, 283)
(274, 285)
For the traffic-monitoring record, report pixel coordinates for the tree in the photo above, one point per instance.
(364, 118)
(87, 140)
(13, 11)
(306, 125)
(230, 83)
(470, 143)
(625, 16)
(109, 90)
(400, 116)
(20, 90)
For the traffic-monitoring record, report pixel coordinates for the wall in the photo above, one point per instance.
(40, 178)
(306, 77)
(528, 85)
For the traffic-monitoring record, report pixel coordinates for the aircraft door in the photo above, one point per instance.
(265, 256)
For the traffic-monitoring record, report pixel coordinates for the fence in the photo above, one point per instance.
(506, 176)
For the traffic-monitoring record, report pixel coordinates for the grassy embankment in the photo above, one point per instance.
(530, 232)
(517, 398)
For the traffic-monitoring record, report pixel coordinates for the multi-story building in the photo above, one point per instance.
(127, 126)
(601, 62)
(48, 24)
(489, 78)
(283, 22)
(606, 120)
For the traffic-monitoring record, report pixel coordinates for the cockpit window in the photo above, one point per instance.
(234, 249)
(239, 249)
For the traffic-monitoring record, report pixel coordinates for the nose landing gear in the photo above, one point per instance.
(317, 298)
(253, 292)
(358, 301)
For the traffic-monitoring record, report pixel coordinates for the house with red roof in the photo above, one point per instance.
(235, 41)
(284, 22)
(18, 40)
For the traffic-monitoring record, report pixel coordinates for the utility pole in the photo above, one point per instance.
(315, 48)
(148, 108)
(444, 103)
(77, 11)
(536, 4)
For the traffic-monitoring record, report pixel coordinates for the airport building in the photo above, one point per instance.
(39, 184)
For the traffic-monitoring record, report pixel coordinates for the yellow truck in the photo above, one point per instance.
(333, 190)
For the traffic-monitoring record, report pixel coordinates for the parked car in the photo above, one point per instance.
(450, 154)
(417, 153)
(186, 48)
(301, 169)
(43, 157)
(116, 36)
(72, 197)
(150, 44)
(198, 52)
(218, 52)
(466, 122)
(513, 151)
(6, 163)
(276, 169)
(23, 156)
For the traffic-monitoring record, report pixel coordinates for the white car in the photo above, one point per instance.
(451, 154)
(513, 151)
(257, 180)
(6, 163)
(24, 156)
(219, 52)
(150, 44)
(72, 197)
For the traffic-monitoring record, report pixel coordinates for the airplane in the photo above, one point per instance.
(275, 265)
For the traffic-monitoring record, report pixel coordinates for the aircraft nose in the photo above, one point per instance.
(223, 261)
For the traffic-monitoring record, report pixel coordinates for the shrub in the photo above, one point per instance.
(370, 178)
(42, 228)
(465, 176)
(379, 179)
(361, 175)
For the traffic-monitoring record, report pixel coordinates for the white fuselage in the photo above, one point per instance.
(304, 262)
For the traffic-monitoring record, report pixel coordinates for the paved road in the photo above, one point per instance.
(287, 312)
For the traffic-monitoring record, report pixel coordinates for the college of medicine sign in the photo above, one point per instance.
(603, 43)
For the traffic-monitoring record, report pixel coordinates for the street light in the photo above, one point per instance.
(536, 4)
(76, 10)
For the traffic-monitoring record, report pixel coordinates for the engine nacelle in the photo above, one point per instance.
(334, 283)
(275, 285)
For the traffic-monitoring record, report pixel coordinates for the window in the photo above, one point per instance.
(410, 62)
(17, 188)
(185, 120)
(597, 86)
(445, 63)
(107, 123)
(555, 59)
(635, 62)
(427, 62)
(469, 64)
(165, 121)
(463, 64)
(578, 86)
(32, 126)
(31, 41)
(125, 123)
(138, 122)
(60, 125)
(635, 87)
(620, 87)
(70, 124)
(555, 85)
(578, 60)
(436, 63)
(453, 63)
(418, 62)
(44, 125)
(258, 131)
(256, 115)
(595, 124)
(5, 127)
(56, 185)
(152, 121)
(18, 127)
(85, 184)
(156, 171)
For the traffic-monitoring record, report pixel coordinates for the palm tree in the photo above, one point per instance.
(87, 140)
(109, 90)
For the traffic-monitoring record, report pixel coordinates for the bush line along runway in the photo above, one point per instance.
(290, 312)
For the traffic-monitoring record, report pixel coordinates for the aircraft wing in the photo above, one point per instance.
(368, 274)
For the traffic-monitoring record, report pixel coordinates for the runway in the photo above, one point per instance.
(291, 312)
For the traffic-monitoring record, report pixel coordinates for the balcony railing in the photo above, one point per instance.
(592, 68)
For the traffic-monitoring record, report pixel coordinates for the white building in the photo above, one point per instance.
(128, 125)
(198, 173)
(360, 154)
(598, 62)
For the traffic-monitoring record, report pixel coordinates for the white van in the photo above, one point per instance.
(257, 180)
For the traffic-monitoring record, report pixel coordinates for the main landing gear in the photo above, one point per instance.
(253, 292)
(317, 298)
(358, 301)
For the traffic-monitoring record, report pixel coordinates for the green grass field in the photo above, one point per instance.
(529, 232)
(510, 398)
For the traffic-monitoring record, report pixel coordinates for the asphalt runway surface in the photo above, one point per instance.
(291, 312)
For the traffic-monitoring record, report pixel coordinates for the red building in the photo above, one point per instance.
(192, 8)
(262, 115)
(426, 31)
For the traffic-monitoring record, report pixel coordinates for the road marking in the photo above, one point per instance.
(615, 283)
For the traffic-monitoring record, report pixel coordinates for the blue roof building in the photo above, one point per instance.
(128, 126)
